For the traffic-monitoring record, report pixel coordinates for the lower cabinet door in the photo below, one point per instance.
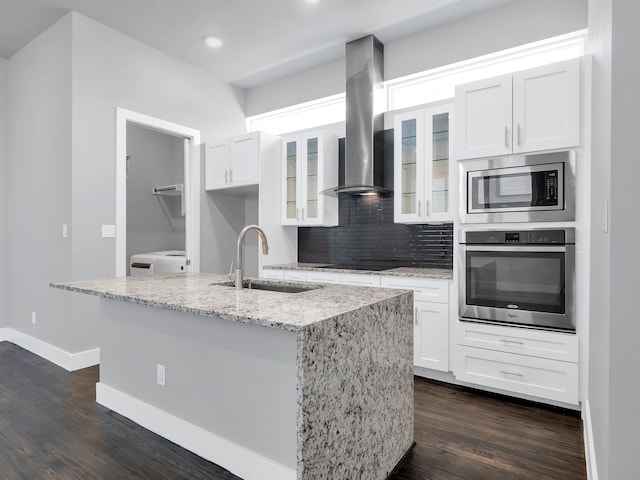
(431, 335)
(539, 377)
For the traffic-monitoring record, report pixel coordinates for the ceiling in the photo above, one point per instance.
(262, 39)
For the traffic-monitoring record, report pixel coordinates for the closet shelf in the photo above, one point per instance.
(171, 191)
(176, 189)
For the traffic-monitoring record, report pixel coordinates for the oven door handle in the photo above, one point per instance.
(516, 248)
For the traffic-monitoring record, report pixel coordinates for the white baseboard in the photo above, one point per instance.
(62, 358)
(4, 334)
(235, 458)
(589, 447)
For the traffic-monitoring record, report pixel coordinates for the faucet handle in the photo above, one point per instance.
(231, 274)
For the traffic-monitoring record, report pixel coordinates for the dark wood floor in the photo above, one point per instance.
(51, 428)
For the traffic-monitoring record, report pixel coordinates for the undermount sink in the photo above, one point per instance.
(271, 286)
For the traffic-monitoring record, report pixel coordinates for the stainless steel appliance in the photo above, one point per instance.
(519, 188)
(518, 277)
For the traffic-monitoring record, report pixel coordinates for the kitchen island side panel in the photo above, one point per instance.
(355, 389)
(235, 380)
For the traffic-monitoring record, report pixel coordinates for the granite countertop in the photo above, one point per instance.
(204, 294)
(411, 272)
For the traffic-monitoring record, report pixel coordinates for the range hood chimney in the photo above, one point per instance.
(364, 96)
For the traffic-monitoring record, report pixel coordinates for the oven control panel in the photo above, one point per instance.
(518, 237)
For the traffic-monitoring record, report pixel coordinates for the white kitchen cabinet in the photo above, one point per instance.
(234, 163)
(272, 274)
(533, 110)
(540, 363)
(295, 275)
(431, 335)
(361, 280)
(323, 277)
(423, 174)
(310, 165)
(538, 377)
(430, 321)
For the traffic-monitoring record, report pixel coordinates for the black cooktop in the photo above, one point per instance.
(360, 266)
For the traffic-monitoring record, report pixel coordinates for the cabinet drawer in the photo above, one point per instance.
(323, 277)
(539, 377)
(425, 290)
(361, 280)
(295, 275)
(270, 273)
(536, 343)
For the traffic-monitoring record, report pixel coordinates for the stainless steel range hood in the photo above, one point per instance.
(364, 93)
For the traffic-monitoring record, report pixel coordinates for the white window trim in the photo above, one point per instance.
(301, 116)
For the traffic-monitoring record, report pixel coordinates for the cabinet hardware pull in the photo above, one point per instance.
(297, 214)
(230, 176)
(302, 213)
(507, 372)
(415, 316)
(519, 136)
(517, 342)
(428, 209)
(419, 208)
(506, 136)
(226, 176)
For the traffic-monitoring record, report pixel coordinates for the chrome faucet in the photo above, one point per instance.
(239, 261)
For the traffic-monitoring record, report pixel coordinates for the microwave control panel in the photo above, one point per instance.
(522, 237)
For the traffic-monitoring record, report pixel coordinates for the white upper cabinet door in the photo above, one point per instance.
(310, 165)
(290, 190)
(244, 163)
(409, 175)
(423, 173)
(483, 118)
(546, 107)
(217, 165)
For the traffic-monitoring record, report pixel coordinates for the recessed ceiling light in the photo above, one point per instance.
(312, 1)
(213, 42)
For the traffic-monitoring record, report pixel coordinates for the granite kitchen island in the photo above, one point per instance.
(316, 384)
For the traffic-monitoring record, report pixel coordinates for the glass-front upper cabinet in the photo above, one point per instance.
(310, 166)
(423, 172)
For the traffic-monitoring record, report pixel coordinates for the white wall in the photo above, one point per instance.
(624, 389)
(64, 89)
(154, 222)
(3, 192)
(613, 386)
(599, 348)
(39, 169)
(508, 26)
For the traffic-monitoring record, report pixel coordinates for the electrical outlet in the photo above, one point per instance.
(33, 317)
(160, 375)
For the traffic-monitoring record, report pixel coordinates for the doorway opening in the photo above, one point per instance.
(157, 180)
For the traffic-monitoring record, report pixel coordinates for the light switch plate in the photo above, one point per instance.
(108, 231)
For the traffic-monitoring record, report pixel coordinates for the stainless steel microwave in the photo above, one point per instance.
(519, 188)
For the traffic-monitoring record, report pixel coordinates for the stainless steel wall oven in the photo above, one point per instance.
(519, 188)
(518, 277)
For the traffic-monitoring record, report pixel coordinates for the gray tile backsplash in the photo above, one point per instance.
(367, 235)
